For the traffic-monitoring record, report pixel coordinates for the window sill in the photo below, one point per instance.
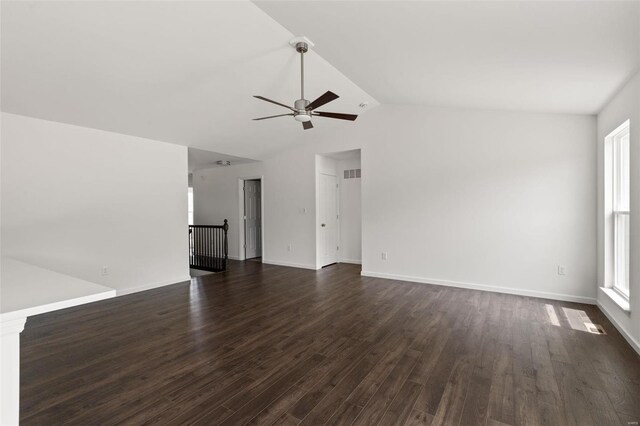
(617, 299)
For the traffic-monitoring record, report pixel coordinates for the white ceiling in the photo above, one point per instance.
(548, 56)
(201, 159)
(181, 72)
(353, 154)
(185, 72)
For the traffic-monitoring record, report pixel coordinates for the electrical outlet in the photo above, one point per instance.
(562, 270)
(384, 255)
(289, 248)
(104, 270)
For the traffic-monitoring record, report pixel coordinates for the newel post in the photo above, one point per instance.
(226, 242)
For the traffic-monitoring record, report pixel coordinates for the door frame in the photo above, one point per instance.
(319, 258)
(242, 255)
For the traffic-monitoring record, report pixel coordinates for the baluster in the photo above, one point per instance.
(209, 246)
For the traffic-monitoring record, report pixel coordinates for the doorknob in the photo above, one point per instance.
(323, 225)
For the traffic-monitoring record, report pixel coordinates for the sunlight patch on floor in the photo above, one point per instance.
(579, 320)
(552, 315)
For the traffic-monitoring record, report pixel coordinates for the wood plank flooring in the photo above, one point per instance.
(264, 344)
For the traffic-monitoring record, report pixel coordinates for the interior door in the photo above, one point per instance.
(328, 219)
(252, 219)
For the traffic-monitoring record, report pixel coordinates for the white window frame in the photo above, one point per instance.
(190, 208)
(618, 211)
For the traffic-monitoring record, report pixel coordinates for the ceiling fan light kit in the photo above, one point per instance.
(302, 109)
(302, 118)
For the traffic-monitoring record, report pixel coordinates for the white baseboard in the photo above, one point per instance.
(289, 264)
(353, 261)
(627, 336)
(484, 287)
(131, 290)
(234, 257)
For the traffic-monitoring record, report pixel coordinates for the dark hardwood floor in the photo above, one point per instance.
(265, 344)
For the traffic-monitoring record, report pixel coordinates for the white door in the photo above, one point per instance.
(252, 219)
(328, 219)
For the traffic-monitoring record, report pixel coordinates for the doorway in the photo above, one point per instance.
(338, 211)
(252, 217)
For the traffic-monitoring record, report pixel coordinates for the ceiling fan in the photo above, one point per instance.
(302, 109)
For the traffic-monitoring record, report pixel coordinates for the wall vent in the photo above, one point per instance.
(352, 174)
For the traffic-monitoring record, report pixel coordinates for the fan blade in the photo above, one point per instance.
(337, 115)
(324, 99)
(307, 125)
(273, 102)
(271, 116)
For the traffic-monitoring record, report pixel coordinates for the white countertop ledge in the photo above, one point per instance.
(27, 290)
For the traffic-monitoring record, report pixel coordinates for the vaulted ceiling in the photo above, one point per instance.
(185, 72)
(546, 56)
(180, 72)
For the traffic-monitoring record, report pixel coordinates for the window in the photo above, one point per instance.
(620, 207)
(190, 204)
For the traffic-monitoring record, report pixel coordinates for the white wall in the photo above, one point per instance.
(486, 198)
(495, 200)
(350, 213)
(288, 190)
(624, 106)
(76, 199)
(217, 197)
